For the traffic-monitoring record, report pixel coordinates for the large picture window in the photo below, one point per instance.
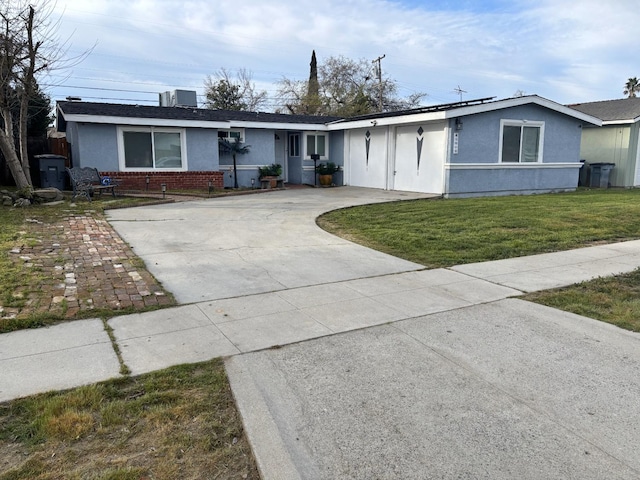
(317, 144)
(521, 141)
(152, 149)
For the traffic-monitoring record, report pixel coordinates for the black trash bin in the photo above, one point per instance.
(52, 172)
(600, 174)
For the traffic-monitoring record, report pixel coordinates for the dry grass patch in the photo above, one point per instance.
(177, 423)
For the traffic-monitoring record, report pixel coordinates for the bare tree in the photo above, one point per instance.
(29, 46)
(226, 92)
(346, 88)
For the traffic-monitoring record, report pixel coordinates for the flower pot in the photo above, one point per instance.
(325, 180)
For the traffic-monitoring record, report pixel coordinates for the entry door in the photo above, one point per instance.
(419, 158)
(280, 153)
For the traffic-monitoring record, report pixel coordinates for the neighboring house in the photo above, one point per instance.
(479, 147)
(617, 141)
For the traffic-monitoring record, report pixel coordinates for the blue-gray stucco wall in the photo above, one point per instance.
(202, 150)
(261, 145)
(336, 154)
(96, 145)
(479, 139)
(479, 142)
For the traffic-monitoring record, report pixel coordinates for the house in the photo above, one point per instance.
(479, 147)
(617, 141)
(178, 145)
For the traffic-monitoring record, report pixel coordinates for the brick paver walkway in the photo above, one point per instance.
(85, 265)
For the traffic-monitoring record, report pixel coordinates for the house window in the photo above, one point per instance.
(152, 149)
(521, 141)
(294, 145)
(231, 134)
(316, 144)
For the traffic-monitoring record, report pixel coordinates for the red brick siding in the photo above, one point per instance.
(173, 180)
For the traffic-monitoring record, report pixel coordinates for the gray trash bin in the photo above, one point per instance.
(52, 172)
(600, 174)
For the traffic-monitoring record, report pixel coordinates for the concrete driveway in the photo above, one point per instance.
(357, 366)
(242, 245)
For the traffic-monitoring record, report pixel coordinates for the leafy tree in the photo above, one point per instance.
(228, 93)
(631, 87)
(234, 148)
(346, 88)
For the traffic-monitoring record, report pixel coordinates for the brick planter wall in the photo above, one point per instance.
(173, 180)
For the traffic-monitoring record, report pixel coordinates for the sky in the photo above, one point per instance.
(566, 51)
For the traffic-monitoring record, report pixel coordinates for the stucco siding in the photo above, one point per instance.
(202, 149)
(509, 181)
(479, 137)
(261, 152)
(96, 146)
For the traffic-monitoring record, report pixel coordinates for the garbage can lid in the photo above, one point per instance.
(50, 155)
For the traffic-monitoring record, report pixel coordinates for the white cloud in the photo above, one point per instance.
(565, 51)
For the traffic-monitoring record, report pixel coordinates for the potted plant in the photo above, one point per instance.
(325, 173)
(271, 173)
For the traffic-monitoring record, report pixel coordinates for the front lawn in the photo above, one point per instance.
(443, 233)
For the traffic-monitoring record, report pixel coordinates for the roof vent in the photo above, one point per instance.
(74, 99)
(178, 98)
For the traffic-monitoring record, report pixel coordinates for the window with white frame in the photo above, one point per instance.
(317, 144)
(294, 145)
(151, 148)
(231, 134)
(521, 141)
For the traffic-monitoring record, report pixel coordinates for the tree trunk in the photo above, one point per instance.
(13, 162)
(22, 133)
(235, 172)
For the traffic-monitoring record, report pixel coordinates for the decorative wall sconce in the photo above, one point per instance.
(253, 182)
(458, 124)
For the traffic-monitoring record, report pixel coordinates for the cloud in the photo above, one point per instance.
(566, 51)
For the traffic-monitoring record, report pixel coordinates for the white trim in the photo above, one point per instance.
(228, 137)
(305, 141)
(630, 121)
(151, 130)
(468, 110)
(506, 122)
(499, 166)
(144, 122)
(179, 123)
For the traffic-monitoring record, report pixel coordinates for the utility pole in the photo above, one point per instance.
(379, 60)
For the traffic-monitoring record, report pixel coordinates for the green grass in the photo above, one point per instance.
(441, 233)
(614, 300)
(176, 423)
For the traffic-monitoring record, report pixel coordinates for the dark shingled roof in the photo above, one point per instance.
(611, 110)
(185, 113)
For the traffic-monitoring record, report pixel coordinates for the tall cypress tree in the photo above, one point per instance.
(313, 89)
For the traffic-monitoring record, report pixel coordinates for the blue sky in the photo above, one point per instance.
(566, 51)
